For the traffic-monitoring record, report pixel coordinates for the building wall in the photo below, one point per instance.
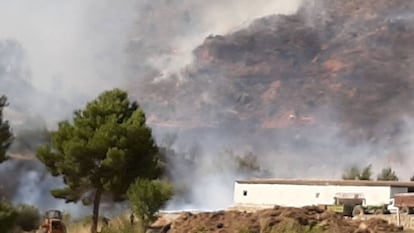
(302, 195)
(395, 190)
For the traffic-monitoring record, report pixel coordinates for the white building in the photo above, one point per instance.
(299, 193)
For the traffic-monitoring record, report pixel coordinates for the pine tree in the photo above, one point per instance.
(102, 151)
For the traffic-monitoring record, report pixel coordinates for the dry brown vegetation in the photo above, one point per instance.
(275, 220)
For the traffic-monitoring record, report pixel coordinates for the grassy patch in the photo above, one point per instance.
(122, 225)
(117, 225)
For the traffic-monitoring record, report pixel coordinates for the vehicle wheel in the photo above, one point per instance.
(404, 210)
(358, 211)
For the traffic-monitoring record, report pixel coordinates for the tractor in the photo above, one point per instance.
(354, 204)
(52, 222)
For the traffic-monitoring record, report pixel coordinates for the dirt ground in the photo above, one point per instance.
(274, 220)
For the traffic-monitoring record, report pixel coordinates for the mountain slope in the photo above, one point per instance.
(332, 63)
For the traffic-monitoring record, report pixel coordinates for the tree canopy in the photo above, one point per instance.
(356, 173)
(6, 136)
(366, 173)
(105, 148)
(387, 174)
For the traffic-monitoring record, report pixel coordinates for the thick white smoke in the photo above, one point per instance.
(55, 55)
(73, 49)
(76, 49)
(59, 54)
(188, 23)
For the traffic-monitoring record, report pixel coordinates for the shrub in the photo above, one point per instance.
(8, 217)
(28, 217)
(147, 197)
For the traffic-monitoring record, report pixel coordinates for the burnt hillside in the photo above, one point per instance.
(338, 63)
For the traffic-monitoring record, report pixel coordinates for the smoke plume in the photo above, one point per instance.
(57, 55)
(310, 94)
(233, 89)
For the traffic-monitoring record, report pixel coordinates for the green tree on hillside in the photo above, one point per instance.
(102, 151)
(355, 173)
(387, 174)
(5, 133)
(146, 197)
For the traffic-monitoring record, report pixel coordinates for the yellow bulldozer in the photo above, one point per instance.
(52, 222)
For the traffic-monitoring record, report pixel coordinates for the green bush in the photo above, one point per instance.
(8, 217)
(147, 197)
(28, 217)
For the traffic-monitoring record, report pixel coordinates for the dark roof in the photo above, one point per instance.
(328, 182)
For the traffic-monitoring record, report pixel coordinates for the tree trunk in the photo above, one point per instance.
(95, 215)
